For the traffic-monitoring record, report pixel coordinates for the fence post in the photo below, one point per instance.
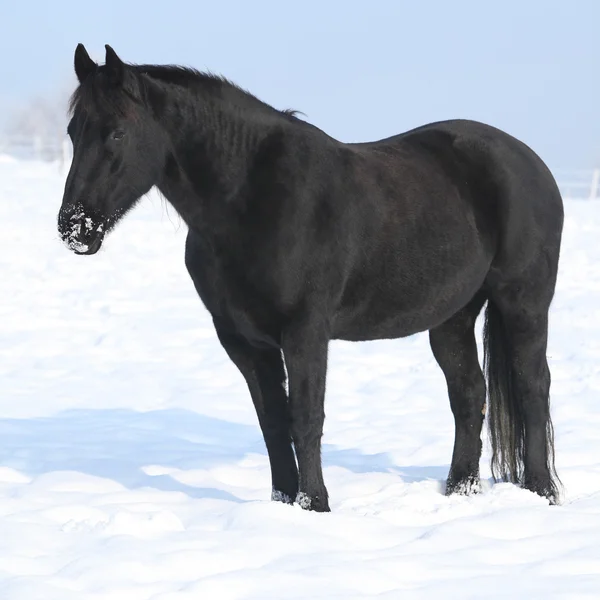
(595, 184)
(37, 147)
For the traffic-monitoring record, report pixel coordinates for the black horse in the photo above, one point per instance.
(296, 239)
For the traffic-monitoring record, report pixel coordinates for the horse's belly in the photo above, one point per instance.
(388, 313)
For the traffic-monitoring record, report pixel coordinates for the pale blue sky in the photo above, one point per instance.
(359, 70)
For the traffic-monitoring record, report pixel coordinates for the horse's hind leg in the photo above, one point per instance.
(522, 437)
(454, 347)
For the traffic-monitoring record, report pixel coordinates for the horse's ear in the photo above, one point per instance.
(84, 65)
(115, 67)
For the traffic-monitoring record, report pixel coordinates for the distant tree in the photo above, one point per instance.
(39, 127)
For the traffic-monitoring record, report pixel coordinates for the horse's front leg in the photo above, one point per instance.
(305, 347)
(265, 375)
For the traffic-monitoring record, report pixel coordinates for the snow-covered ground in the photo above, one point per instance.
(132, 466)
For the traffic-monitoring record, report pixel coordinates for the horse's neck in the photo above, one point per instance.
(212, 148)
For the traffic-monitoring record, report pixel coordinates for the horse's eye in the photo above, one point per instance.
(118, 134)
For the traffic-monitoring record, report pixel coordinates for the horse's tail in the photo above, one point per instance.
(505, 417)
(506, 421)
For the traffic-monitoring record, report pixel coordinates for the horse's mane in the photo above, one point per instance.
(96, 94)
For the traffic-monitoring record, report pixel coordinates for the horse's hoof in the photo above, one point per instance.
(314, 503)
(277, 496)
(463, 487)
(544, 488)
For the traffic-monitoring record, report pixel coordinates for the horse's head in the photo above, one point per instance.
(118, 150)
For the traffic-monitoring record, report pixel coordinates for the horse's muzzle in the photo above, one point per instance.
(82, 234)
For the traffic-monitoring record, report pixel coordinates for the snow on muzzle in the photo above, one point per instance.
(82, 234)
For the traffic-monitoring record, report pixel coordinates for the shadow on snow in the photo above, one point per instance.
(116, 444)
